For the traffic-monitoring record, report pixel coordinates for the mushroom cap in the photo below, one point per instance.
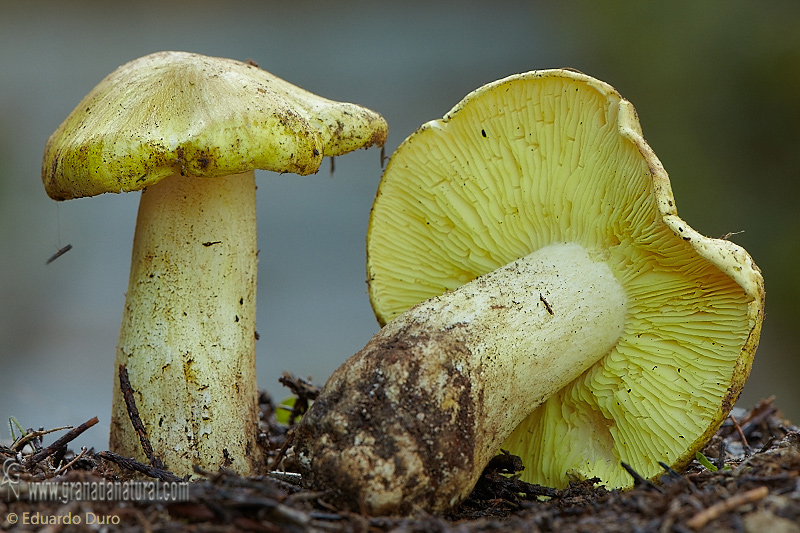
(556, 156)
(177, 112)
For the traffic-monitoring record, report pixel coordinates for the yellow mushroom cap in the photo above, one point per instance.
(556, 156)
(177, 112)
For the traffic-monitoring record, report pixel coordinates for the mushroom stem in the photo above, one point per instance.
(413, 418)
(188, 328)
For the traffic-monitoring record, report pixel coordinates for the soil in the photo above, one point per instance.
(749, 480)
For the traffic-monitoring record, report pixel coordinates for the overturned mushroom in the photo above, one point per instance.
(189, 130)
(583, 323)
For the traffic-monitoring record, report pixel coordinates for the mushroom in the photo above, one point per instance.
(189, 131)
(559, 308)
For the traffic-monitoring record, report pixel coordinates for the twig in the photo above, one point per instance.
(59, 253)
(69, 436)
(675, 477)
(305, 392)
(133, 414)
(741, 435)
(28, 436)
(758, 414)
(702, 518)
(132, 464)
(36, 441)
(767, 445)
(638, 479)
(282, 451)
(720, 462)
(669, 470)
(775, 478)
(292, 478)
(300, 387)
(731, 234)
(69, 464)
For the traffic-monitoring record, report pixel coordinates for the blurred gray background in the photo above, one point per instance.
(716, 85)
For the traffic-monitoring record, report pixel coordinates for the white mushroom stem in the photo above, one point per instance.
(413, 418)
(188, 328)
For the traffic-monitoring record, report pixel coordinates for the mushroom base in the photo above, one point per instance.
(411, 420)
(188, 328)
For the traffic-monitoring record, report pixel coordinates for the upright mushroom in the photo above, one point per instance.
(583, 323)
(189, 130)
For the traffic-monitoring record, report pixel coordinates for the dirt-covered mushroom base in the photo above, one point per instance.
(747, 480)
